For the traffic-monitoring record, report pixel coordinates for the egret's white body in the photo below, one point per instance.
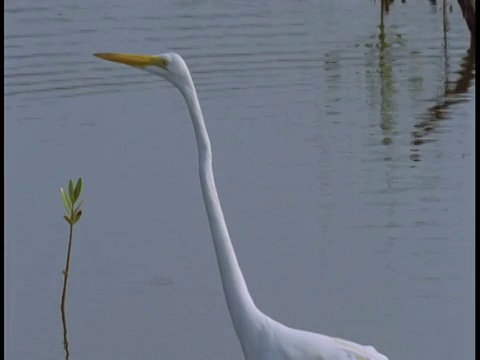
(261, 337)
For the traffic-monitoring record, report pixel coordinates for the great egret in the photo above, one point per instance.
(261, 337)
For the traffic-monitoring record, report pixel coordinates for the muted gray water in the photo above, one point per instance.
(346, 173)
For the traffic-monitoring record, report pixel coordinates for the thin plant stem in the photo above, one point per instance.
(65, 338)
(74, 213)
(64, 294)
(67, 268)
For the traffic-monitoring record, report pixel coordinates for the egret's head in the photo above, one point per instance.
(169, 66)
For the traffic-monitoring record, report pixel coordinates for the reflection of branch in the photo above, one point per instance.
(468, 12)
(452, 95)
(445, 22)
(385, 70)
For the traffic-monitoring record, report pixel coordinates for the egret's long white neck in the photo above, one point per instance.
(245, 316)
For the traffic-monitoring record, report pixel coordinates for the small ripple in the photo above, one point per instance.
(28, 9)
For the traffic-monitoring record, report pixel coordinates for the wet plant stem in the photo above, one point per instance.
(64, 293)
(67, 268)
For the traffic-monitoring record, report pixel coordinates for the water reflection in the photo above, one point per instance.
(270, 75)
(454, 92)
(384, 69)
(387, 90)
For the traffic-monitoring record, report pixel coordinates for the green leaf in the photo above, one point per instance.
(70, 190)
(66, 201)
(78, 189)
(68, 219)
(78, 206)
(77, 216)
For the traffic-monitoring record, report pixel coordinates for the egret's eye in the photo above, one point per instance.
(163, 63)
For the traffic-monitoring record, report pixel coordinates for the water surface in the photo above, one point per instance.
(344, 163)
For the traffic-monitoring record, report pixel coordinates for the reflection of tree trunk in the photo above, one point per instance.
(452, 95)
(468, 12)
(386, 5)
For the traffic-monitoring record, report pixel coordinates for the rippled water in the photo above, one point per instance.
(345, 166)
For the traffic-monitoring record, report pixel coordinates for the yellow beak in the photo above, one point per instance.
(140, 61)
